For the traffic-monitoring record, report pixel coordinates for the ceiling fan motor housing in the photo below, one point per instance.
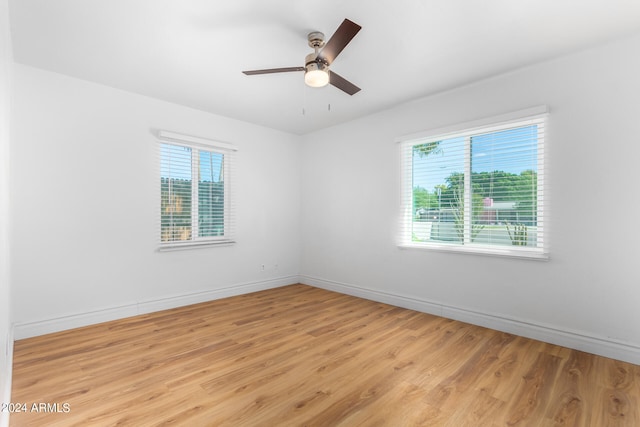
(311, 62)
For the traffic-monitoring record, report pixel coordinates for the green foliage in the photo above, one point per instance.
(499, 186)
(423, 150)
(422, 198)
(210, 209)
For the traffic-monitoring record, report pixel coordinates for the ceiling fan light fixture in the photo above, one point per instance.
(316, 73)
(316, 78)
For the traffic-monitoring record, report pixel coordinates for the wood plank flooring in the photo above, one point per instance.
(301, 356)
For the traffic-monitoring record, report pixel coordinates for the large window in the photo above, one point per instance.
(195, 191)
(478, 189)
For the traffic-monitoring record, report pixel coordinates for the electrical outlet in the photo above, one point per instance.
(262, 267)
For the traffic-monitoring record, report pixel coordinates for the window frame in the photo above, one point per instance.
(467, 130)
(196, 145)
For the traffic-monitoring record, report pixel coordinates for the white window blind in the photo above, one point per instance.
(478, 190)
(196, 194)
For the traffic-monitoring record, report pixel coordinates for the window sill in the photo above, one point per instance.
(535, 255)
(168, 247)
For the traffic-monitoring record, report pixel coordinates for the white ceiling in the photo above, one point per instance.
(192, 52)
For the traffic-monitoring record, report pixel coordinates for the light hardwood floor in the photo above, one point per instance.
(298, 355)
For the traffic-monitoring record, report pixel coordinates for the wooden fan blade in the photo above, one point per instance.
(341, 38)
(342, 83)
(273, 70)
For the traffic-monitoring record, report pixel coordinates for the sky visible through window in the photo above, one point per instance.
(211, 166)
(490, 152)
(175, 163)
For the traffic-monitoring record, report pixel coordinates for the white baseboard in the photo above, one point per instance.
(602, 346)
(548, 333)
(76, 320)
(7, 373)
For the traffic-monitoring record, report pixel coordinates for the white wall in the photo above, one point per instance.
(6, 338)
(586, 296)
(85, 199)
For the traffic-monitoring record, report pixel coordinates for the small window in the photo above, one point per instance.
(195, 191)
(477, 190)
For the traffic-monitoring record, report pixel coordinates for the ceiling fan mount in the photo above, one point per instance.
(316, 39)
(316, 64)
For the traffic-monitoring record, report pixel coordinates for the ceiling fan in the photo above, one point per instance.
(316, 64)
